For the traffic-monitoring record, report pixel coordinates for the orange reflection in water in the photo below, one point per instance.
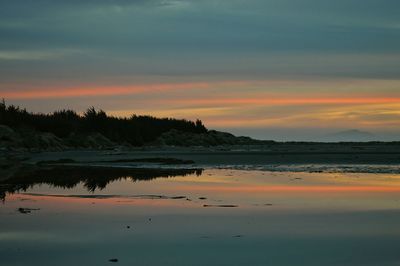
(247, 189)
(283, 188)
(63, 200)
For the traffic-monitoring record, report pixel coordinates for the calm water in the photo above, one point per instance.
(211, 217)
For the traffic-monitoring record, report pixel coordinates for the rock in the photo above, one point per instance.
(96, 141)
(9, 138)
(48, 141)
(221, 206)
(26, 210)
(210, 138)
(6, 133)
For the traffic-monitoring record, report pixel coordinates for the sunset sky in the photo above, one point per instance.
(271, 69)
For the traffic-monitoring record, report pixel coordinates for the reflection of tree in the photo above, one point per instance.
(92, 177)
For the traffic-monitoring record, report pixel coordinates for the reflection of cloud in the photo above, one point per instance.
(300, 189)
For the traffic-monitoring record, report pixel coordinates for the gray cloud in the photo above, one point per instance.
(237, 38)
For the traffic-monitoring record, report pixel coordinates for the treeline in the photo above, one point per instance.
(135, 130)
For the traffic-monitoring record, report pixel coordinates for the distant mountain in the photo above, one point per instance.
(353, 135)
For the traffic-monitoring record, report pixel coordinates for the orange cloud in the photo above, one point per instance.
(289, 101)
(240, 92)
(92, 90)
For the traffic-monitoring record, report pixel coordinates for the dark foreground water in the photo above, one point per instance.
(194, 217)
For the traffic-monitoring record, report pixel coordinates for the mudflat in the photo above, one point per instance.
(278, 157)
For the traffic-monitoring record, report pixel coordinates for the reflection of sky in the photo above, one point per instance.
(255, 67)
(310, 227)
(248, 189)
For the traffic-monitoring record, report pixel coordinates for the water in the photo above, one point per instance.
(195, 217)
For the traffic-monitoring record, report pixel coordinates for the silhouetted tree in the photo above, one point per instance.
(136, 130)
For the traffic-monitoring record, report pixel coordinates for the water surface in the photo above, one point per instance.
(195, 217)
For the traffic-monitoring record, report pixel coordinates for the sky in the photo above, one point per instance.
(270, 69)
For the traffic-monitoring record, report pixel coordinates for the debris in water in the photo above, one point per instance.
(221, 206)
(27, 210)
